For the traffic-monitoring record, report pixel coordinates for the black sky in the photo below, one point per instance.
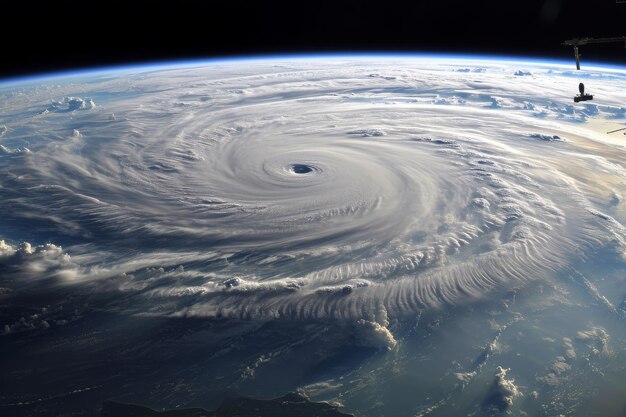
(81, 34)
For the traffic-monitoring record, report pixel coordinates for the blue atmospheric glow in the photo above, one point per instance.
(155, 65)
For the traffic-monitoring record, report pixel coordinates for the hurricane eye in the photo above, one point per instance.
(301, 169)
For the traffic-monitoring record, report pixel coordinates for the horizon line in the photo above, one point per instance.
(190, 62)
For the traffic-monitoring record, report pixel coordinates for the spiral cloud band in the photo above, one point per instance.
(304, 189)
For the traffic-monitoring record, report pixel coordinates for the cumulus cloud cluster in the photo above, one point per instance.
(74, 103)
(502, 392)
(597, 339)
(375, 335)
(478, 70)
(465, 377)
(5, 150)
(24, 324)
(28, 263)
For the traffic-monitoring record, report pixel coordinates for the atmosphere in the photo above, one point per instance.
(67, 34)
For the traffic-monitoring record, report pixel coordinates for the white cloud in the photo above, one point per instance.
(375, 335)
(367, 133)
(465, 377)
(13, 151)
(503, 391)
(597, 339)
(69, 104)
(29, 264)
(570, 353)
(26, 324)
(560, 366)
(319, 388)
(250, 370)
(476, 70)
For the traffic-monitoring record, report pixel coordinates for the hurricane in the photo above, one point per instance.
(361, 190)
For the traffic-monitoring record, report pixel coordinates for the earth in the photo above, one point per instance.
(390, 235)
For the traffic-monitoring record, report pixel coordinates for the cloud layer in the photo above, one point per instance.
(304, 189)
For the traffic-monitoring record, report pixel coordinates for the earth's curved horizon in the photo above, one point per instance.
(204, 61)
(407, 235)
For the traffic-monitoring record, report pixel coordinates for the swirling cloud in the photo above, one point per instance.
(303, 190)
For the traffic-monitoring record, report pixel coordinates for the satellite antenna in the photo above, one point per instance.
(576, 42)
